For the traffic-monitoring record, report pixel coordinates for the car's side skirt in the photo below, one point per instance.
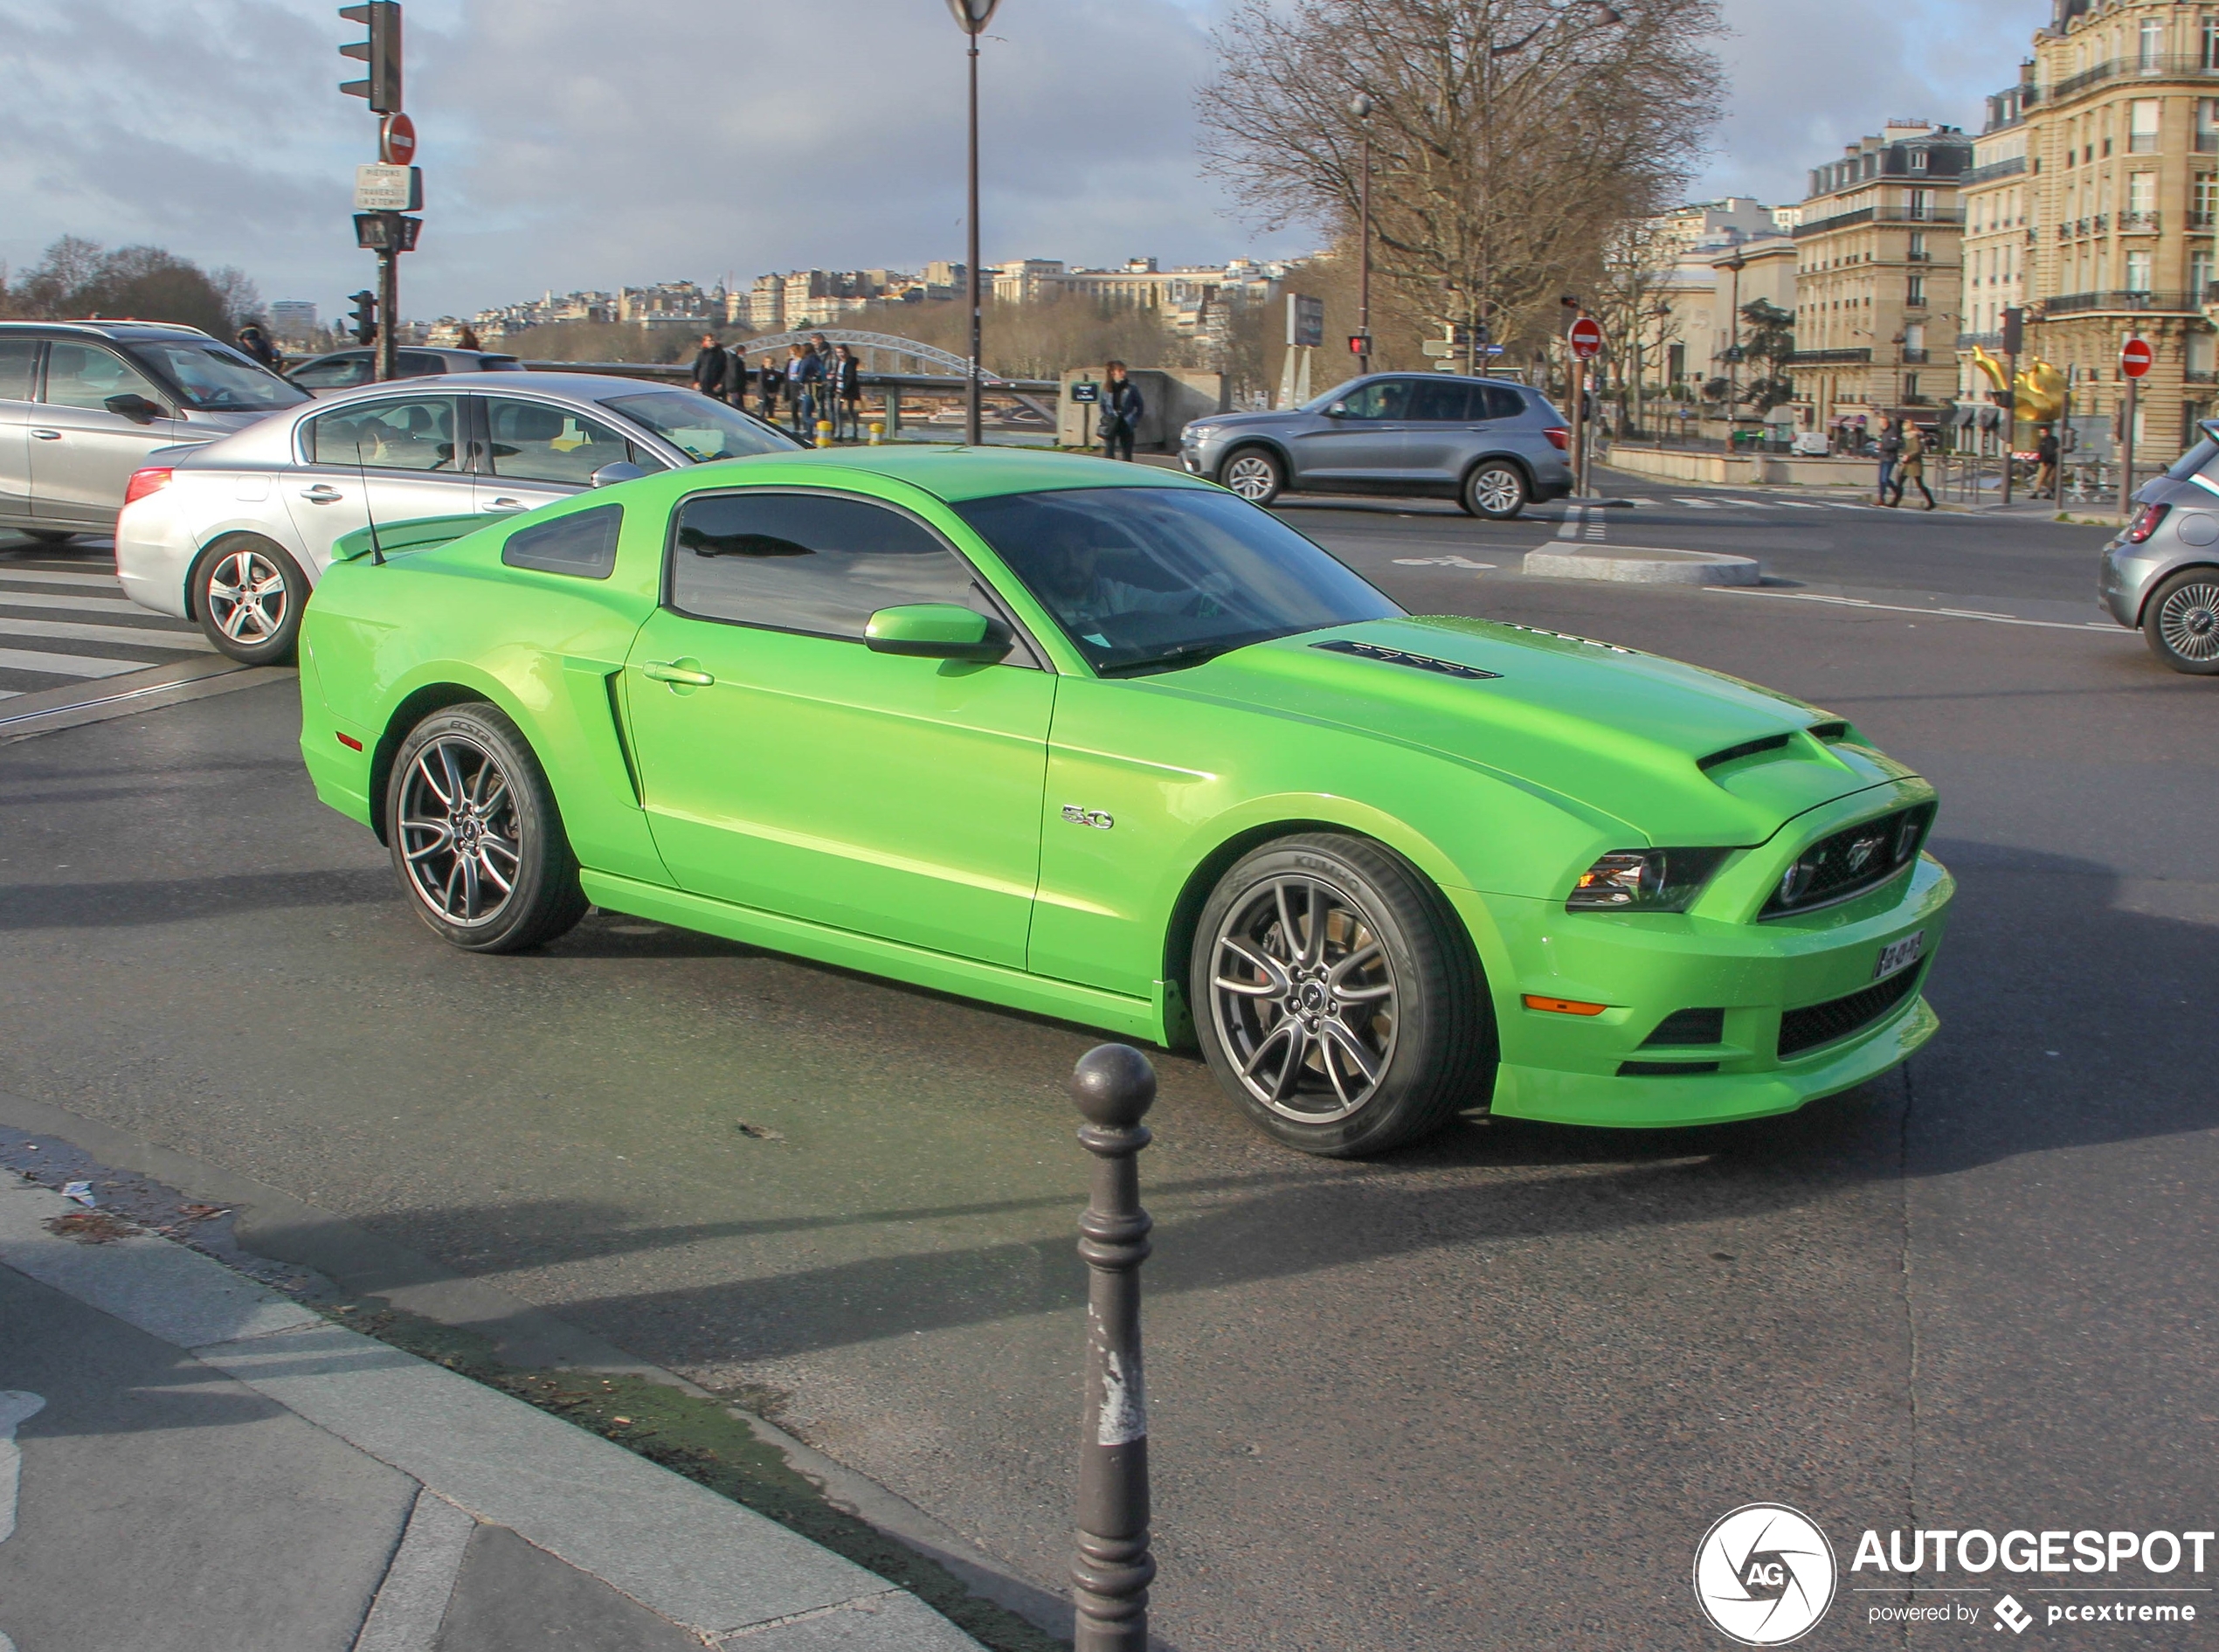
(1091, 1007)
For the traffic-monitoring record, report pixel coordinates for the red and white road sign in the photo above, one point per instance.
(1586, 338)
(396, 140)
(2134, 357)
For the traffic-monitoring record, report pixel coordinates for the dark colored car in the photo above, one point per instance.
(344, 370)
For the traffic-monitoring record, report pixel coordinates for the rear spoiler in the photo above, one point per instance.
(392, 538)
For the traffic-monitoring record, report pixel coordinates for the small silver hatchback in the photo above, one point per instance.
(2161, 573)
(1492, 446)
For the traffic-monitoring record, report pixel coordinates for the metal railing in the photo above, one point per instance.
(1992, 170)
(1881, 214)
(1830, 358)
(2157, 67)
(1026, 415)
(2119, 298)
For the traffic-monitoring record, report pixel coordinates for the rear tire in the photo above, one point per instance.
(248, 595)
(2180, 622)
(1337, 999)
(1255, 473)
(1496, 489)
(475, 836)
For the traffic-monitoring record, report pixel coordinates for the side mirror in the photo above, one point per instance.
(936, 631)
(135, 407)
(610, 475)
(1339, 409)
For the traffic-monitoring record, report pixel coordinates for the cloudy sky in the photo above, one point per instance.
(583, 143)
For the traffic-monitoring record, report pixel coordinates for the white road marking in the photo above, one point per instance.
(1572, 513)
(1445, 562)
(1945, 614)
(1732, 499)
(136, 636)
(66, 665)
(1842, 504)
(41, 576)
(75, 605)
(1795, 504)
(15, 1408)
(1700, 504)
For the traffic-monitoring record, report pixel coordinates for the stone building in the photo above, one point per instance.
(1878, 300)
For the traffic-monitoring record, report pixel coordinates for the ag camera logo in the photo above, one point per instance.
(1764, 1575)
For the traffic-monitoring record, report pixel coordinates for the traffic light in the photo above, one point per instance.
(365, 328)
(382, 52)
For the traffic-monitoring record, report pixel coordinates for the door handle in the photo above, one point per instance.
(47, 435)
(661, 671)
(505, 503)
(321, 495)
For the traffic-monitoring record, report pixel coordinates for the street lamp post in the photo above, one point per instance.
(1736, 263)
(972, 16)
(1360, 108)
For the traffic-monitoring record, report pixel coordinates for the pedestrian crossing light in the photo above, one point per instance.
(382, 52)
(365, 314)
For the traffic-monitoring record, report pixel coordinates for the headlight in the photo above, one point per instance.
(1644, 880)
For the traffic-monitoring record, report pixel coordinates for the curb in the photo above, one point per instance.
(699, 1559)
(1650, 565)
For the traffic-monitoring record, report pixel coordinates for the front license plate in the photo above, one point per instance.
(1898, 956)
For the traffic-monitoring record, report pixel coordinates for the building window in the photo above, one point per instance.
(2141, 193)
(1918, 245)
(1918, 160)
(2212, 43)
(2199, 274)
(2150, 48)
(1922, 205)
(1915, 296)
(2143, 117)
(1910, 387)
(2138, 271)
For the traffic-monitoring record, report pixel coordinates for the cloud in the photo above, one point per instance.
(584, 143)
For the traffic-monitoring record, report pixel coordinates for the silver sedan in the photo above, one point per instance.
(235, 533)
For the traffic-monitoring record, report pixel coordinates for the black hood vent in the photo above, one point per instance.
(1397, 657)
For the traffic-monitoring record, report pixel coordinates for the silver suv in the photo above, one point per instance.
(1492, 446)
(82, 403)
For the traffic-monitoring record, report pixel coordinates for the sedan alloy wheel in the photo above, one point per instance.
(247, 594)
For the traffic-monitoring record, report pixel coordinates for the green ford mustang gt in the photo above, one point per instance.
(1104, 742)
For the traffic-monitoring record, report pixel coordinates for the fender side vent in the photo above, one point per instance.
(1746, 749)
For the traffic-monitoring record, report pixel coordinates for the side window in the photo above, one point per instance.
(1499, 401)
(533, 442)
(86, 375)
(18, 357)
(583, 543)
(807, 562)
(341, 372)
(1381, 398)
(1442, 402)
(413, 434)
(418, 364)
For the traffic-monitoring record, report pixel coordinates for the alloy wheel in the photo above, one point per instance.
(459, 832)
(1252, 476)
(1495, 490)
(247, 596)
(2188, 623)
(1305, 999)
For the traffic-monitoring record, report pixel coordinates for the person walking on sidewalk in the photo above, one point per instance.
(735, 376)
(709, 368)
(1911, 463)
(804, 373)
(844, 389)
(767, 380)
(1121, 410)
(1890, 450)
(2045, 455)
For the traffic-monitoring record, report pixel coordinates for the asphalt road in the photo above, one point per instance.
(63, 619)
(1488, 1391)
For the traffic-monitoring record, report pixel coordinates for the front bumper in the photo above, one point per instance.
(1569, 1069)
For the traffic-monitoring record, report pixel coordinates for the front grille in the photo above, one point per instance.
(1688, 1027)
(1850, 862)
(1841, 1017)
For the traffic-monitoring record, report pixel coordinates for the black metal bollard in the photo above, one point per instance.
(1113, 1086)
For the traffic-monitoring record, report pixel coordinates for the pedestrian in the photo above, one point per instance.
(844, 389)
(1121, 410)
(469, 339)
(767, 382)
(709, 368)
(804, 373)
(2045, 455)
(735, 378)
(256, 342)
(1890, 450)
(1911, 463)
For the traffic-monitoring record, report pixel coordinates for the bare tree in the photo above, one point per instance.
(1632, 301)
(1509, 138)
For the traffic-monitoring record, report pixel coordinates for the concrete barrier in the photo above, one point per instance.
(1746, 470)
(1642, 565)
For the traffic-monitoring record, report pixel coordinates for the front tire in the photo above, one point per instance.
(1255, 473)
(1337, 999)
(2180, 622)
(1497, 490)
(476, 835)
(248, 595)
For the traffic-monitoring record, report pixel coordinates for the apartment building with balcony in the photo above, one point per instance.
(2120, 112)
(1878, 295)
(1997, 197)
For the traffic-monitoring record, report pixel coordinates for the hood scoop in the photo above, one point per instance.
(1398, 657)
(1746, 749)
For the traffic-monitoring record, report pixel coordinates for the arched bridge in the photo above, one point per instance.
(887, 343)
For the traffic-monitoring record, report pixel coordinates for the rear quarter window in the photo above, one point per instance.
(2196, 461)
(583, 544)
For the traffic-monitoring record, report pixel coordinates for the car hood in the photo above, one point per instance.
(1240, 421)
(1684, 756)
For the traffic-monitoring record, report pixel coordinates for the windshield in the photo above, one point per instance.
(1148, 579)
(700, 428)
(217, 378)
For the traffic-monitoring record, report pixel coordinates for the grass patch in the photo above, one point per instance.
(700, 1439)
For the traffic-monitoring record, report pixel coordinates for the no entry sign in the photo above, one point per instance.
(2134, 357)
(1586, 338)
(396, 140)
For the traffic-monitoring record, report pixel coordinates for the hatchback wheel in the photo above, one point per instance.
(2181, 622)
(476, 835)
(1255, 474)
(248, 595)
(1337, 997)
(1495, 490)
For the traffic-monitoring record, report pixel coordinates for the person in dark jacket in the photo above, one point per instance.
(844, 389)
(1891, 448)
(468, 339)
(804, 373)
(735, 378)
(768, 379)
(1121, 410)
(709, 368)
(2045, 455)
(256, 342)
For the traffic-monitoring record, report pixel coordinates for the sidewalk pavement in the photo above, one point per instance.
(189, 1460)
